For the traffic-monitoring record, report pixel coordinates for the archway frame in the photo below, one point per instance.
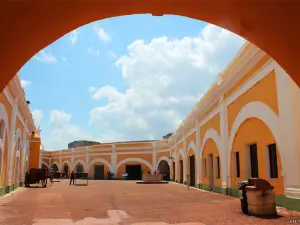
(103, 161)
(4, 117)
(140, 160)
(264, 113)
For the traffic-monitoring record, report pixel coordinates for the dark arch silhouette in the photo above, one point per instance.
(270, 25)
(164, 169)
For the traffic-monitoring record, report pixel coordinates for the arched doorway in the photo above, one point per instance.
(79, 168)
(255, 153)
(66, 169)
(99, 168)
(181, 167)
(211, 166)
(249, 20)
(164, 169)
(191, 167)
(55, 168)
(133, 167)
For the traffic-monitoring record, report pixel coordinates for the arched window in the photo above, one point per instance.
(79, 168)
(2, 129)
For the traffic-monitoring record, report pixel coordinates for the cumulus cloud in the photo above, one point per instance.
(25, 83)
(44, 57)
(165, 78)
(37, 117)
(62, 131)
(102, 34)
(73, 36)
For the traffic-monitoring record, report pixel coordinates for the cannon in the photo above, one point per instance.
(36, 176)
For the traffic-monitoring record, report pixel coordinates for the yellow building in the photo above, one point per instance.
(16, 137)
(246, 125)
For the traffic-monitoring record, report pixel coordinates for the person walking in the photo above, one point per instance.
(72, 178)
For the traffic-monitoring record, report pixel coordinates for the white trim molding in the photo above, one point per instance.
(103, 161)
(143, 161)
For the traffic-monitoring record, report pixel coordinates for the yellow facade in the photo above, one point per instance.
(17, 151)
(246, 125)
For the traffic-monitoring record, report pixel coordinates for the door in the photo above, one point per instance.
(66, 170)
(181, 171)
(134, 172)
(211, 172)
(173, 168)
(99, 172)
(192, 170)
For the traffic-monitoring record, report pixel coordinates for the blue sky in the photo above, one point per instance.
(124, 78)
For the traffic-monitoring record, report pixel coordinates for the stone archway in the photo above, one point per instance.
(164, 169)
(257, 22)
(54, 167)
(211, 156)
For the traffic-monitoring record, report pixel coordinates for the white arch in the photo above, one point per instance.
(192, 146)
(177, 173)
(3, 116)
(161, 159)
(134, 160)
(105, 162)
(66, 162)
(212, 134)
(262, 112)
(79, 161)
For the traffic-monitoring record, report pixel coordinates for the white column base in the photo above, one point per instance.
(292, 193)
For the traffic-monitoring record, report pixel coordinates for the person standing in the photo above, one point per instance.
(72, 178)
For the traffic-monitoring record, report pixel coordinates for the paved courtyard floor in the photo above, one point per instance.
(124, 202)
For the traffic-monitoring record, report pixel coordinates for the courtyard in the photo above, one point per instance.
(125, 202)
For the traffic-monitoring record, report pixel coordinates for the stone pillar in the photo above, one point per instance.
(114, 160)
(87, 160)
(12, 129)
(198, 155)
(184, 160)
(225, 152)
(72, 161)
(154, 157)
(289, 146)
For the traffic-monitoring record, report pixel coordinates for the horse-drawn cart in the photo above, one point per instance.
(36, 176)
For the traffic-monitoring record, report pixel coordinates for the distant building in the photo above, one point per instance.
(78, 144)
(167, 135)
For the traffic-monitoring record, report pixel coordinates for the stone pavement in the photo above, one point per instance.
(124, 202)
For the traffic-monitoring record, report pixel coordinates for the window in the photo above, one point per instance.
(204, 169)
(254, 161)
(218, 167)
(273, 161)
(237, 164)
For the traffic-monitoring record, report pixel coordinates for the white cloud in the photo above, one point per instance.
(102, 34)
(73, 36)
(62, 131)
(165, 78)
(37, 117)
(25, 83)
(44, 57)
(93, 52)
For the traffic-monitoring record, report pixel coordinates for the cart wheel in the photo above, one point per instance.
(44, 183)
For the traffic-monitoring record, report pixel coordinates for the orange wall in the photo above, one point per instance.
(264, 91)
(34, 153)
(191, 138)
(147, 157)
(262, 136)
(213, 123)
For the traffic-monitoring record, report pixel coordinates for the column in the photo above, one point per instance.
(12, 128)
(198, 154)
(289, 146)
(60, 162)
(87, 156)
(72, 161)
(225, 152)
(176, 162)
(114, 160)
(184, 160)
(153, 157)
